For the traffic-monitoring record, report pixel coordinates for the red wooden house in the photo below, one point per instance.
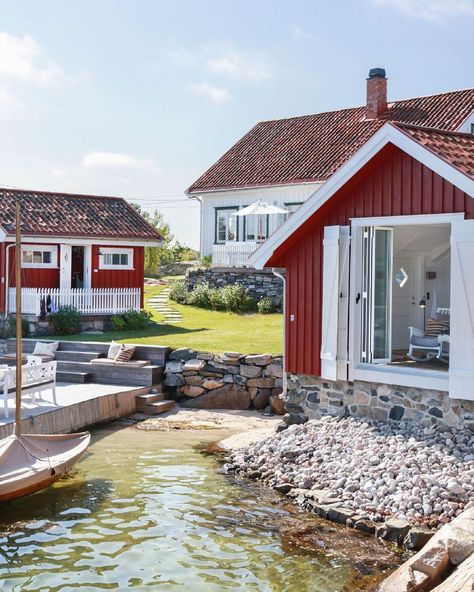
(83, 250)
(380, 264)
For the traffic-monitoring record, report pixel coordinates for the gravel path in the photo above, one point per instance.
(378, 470)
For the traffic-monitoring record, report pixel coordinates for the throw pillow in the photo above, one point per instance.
(113, 350)
(125, 353)
(435, 327)
(45, 349)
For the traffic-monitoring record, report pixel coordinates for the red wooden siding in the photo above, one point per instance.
(392, 184)
(32, 277)
(118, 278)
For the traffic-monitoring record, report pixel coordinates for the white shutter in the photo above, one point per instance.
(461, 363)
(65, 267)
(335, 302)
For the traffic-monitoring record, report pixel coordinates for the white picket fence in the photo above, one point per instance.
(233, 253)
(85, 300)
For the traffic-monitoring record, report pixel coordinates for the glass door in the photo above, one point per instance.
(377, 294)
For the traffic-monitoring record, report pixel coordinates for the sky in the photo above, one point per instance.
(138, 98)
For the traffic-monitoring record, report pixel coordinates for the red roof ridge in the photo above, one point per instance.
(437, 130)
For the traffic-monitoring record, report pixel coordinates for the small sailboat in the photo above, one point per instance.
(31, 462)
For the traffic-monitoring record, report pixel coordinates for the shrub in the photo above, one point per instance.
(206, 260)
(215, 299)
(131, 320)
(66, 321)
(179, 292)
(266, 305)
(200, 296)
(10, 329)
(118, 323)
(235, 298)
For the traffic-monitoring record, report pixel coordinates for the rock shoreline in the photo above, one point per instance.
(398, 482)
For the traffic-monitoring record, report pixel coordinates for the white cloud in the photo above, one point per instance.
(434, 10)
(215, 94)
(117, 160)
(298, 33)
(241, 64)
(22, 59)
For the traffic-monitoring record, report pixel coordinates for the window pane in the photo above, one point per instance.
(37, 257)
(232, 226)
(107, 259)
(27, 257)
(124, 259)
(47, 257)
(115, 259)
(221, 226)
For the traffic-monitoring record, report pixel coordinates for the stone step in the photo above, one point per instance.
(77, 356)
(75, 377)
(160, 407)
(143, 401)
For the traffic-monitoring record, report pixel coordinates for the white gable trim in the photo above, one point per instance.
(385, 135)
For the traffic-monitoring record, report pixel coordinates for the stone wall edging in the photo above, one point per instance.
(231, 380)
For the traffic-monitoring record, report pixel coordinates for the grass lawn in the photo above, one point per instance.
(203, 330)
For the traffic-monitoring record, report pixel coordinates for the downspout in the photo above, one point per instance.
(7, 276)
(283, 279)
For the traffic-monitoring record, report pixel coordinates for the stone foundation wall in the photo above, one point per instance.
(315, 397)
(259, 283)
(232, 380)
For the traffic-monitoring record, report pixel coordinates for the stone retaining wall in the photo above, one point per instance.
(259, 283)
(203, 380)
(315, 397)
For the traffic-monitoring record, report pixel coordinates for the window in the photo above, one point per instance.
(226, 225)
(256, 227)
(39, 256)
(116, 258)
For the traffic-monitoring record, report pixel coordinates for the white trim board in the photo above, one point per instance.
(78, 241)
(385, 135)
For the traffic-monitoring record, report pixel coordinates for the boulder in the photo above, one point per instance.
(205, 356)
(212, 384)
(194, 380)
(261, 382)
(277, 405)
(194, 364)
(261, 398)
(240, 380)
(173, 380)
(233, 355)
(192, 391)
(461, 580)
(228, 378)
(259, 360)
(394, 530)
(340, 514)
(250, 371)
(225, 359)
(294, 418)
(182, 353)
(283, 487)
(273, 370)
(417, 538)
(173, 368)
(229, 396)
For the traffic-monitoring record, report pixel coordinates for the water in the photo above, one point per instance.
(148, 511)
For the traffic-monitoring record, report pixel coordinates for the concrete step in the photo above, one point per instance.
(77, 356)
(144, 400)
(76, 377)
(159, 407)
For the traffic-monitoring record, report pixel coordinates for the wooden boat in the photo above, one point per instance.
(31, 462)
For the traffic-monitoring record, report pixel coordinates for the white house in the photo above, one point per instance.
(286, 161)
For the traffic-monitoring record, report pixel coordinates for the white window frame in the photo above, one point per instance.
(115, 251)
(229, 211)
(43, 249)
(420, 378)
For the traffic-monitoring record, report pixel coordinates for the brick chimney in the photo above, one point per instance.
(376, 93)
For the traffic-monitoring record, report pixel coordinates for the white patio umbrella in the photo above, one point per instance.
(260, 208)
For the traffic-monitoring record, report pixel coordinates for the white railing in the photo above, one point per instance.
(86, 300)
(233, 253)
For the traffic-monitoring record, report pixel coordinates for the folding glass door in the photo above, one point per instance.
(377, 252)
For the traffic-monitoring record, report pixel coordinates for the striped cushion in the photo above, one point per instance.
(125, 353)
(435, 327)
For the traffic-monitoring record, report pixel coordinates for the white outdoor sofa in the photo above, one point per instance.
(37, 377)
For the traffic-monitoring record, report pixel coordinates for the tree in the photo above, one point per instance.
(170, 250)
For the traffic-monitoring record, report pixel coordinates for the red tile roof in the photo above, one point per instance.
(454, 147)
(313, 147)
(64, 215)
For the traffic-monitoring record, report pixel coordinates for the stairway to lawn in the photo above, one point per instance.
(160, 303)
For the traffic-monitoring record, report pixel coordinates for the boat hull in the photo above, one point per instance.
(29, 463)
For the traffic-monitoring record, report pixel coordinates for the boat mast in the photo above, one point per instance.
(19, 356)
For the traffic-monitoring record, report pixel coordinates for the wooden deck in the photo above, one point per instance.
(79, 406)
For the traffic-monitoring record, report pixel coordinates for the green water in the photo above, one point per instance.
(148, 511)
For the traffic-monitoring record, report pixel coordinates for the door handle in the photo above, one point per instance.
(358, 298)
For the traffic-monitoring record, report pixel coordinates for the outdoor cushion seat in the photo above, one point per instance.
(130, 363)
(424, 341)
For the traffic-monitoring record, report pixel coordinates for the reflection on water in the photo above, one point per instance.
(146, 511)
